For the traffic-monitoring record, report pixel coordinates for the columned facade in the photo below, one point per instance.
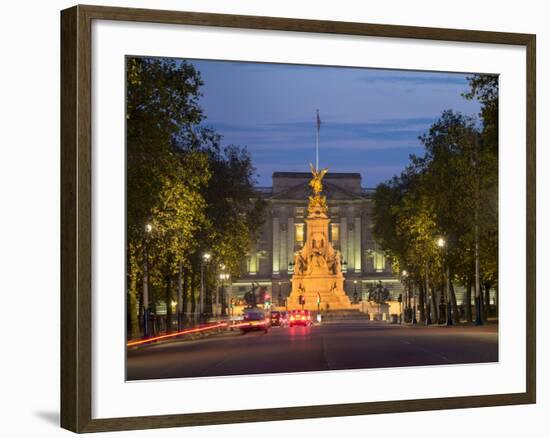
(270, 261)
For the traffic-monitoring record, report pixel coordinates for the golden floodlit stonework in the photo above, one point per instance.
(318, 266)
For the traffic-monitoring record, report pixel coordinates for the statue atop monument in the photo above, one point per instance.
(316, 182)
(317, 203)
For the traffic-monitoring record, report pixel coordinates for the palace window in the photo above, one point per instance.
(335, 233)
(379, 260)
(299, 233)
(252, 264)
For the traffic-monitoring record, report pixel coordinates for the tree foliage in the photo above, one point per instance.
(186, 194)
(450, 191)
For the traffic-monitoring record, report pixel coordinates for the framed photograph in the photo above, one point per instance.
(269, 218)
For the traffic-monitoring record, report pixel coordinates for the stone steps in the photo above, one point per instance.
(336, 300)
(345, 314)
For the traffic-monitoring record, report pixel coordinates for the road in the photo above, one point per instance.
(331, 346)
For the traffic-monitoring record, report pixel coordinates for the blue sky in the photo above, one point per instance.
(371, 118)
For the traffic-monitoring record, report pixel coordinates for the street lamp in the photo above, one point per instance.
(205, 259)
(223, 276)
(403, 315)
(280, 296)
(355, 291)
(146, 331)
(443, 245)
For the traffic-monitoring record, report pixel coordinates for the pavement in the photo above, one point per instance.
(339, 345)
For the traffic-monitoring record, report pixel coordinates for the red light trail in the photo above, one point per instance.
(172, 335)
(243, 324)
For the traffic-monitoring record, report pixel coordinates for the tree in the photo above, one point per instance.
(188, 191)
(485, 88)
(405, 227)
(234, 212)
(450, 146)
(161, 105)
(177, 218)
(163, 184)
(450, 191)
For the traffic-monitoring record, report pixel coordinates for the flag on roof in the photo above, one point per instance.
(318, 121)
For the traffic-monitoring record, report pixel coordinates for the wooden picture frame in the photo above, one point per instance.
(76, 217)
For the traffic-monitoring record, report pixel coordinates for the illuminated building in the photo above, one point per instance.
(270, 261)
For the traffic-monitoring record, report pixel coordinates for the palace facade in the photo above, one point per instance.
(270, 261)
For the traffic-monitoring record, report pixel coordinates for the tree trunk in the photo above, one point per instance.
(140, 310)
(185, 297)
(456, 312)
(443, 300)
(479, 298)
(487, 300)
(133, 319)
(429, 311)
(421, 303)
(496, 301)
(145, 294)
(481, 310)
(133, 309)
(209, 292)
(168, 303)
(193, 294)
(477, 281)
(153, 319)
(468, 300)
(435, 307)
(179, 307)
(409, 293)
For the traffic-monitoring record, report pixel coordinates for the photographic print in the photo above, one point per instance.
(297, 218)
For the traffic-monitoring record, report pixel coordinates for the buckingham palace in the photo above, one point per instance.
(270, 262)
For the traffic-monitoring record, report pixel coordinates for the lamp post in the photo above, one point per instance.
(279, 297)
(404, 274)
(146, 331)
(219, 289)
(441, 243)
(428, 295)
(229, 302)
(355, 291)
(223, 276)
(205, 259)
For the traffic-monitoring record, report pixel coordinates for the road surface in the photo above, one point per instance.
(331, 346)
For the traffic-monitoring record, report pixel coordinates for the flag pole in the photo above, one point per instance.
(317, 151)
(318, 123)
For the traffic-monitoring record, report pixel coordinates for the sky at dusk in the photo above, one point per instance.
(371, 118)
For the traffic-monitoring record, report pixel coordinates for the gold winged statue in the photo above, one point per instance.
(317, 203)
(316, 182)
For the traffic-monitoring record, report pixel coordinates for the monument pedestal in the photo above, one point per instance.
(317, 266)
(328, 287)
